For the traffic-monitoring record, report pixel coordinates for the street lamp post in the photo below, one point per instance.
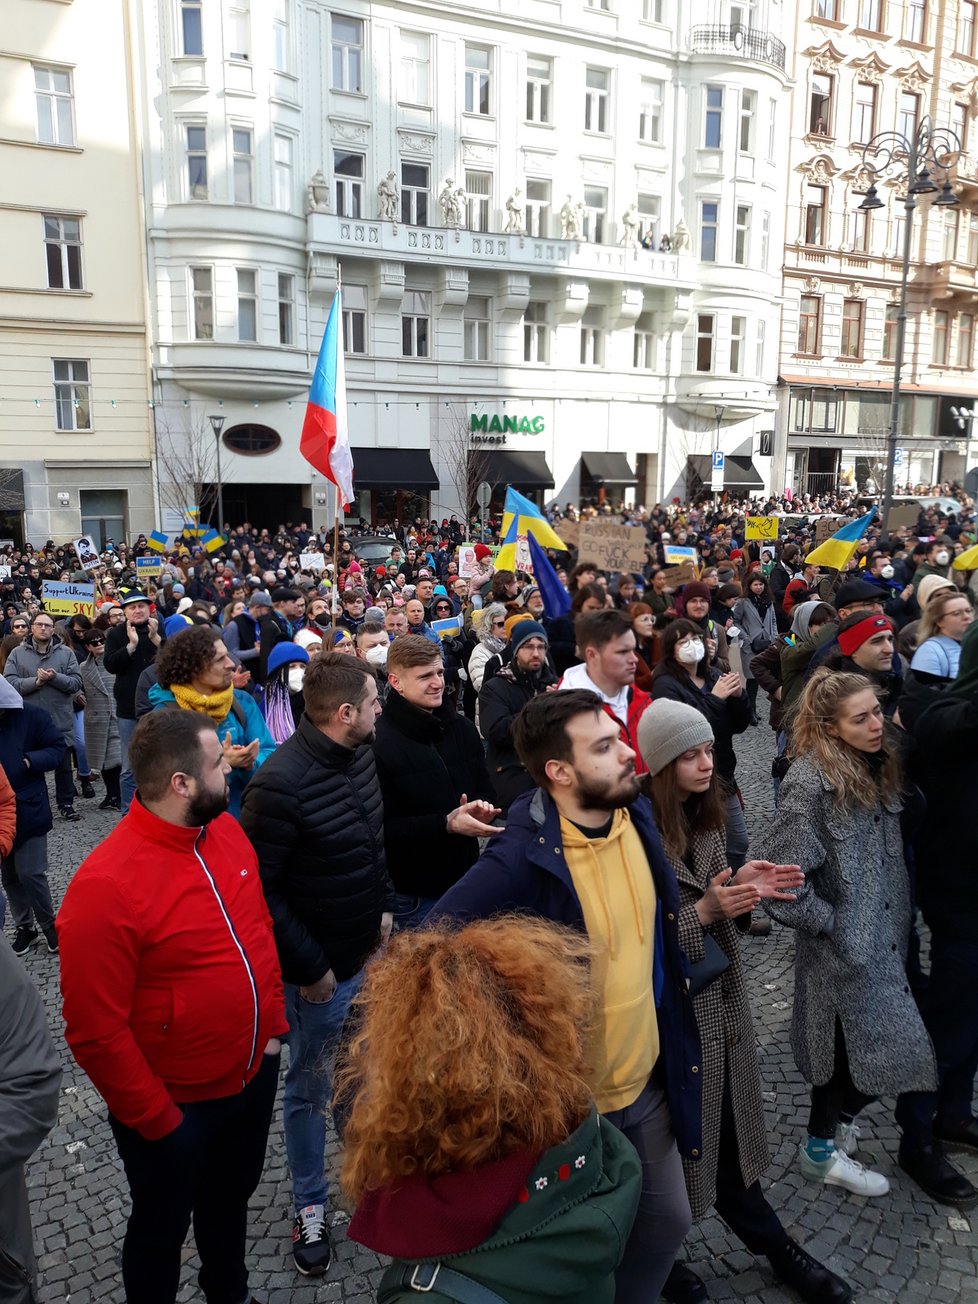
(217, 425)
(927, 157)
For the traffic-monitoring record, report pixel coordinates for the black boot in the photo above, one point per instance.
(813, 1282)
(960, 1136)
(683, 1286)
(932, 1172)
(86, 786)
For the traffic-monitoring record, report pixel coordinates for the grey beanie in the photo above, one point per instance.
(667, 729)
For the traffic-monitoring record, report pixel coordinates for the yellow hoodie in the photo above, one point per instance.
(614, 883)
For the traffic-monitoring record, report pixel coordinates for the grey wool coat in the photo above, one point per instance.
(851, 917)
(56, 696)
(101, 724)
(726, 1027)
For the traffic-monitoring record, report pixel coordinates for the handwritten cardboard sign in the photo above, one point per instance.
(64, 599)
(612, 548)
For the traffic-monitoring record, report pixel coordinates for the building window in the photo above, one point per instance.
(478, 190)
(55, 105)
(239, 29)
(652, 11)
(592, 337)
(899, 230)
(765, 240)
(709, 221)
(809, 318)
(538, 208)
(742, 15)
(243, 162)
(650, 212)
(599, 4)
(281, 42)
(952, 224)
(202, 293)
(355, 319)
(973, 239)
(815, 215)
(748, 120)
(348, 171)
(852, 328)
(415, 68)
(539, 88)
(191, 28)
(908, 114)
(283, 172)
(820, 105)
(939, 343)
(196, 162)
(415, 322)
(477, 79)
(251, 441)
(286, 308)
(597, 81)
(346, 46)
(859, 231)
(595, 213)
(62, 252)
(247, 303)
(72, 394)
(890, 326)
(643, 344)
(915, 27)
(959, 123)
(742, 235)
(476, 329)
(759, 361)
(536, 333)
(738, 333)
(966, 337)
(864, 113)
(705, 326)
(966, 28)
(414, 194)
(772, 130)
(870, 15)
(827, 9)
(713, 117)
(650, 111)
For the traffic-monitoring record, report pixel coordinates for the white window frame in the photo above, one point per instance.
(242, 164)
(738, 344)
(652, 11)
(355, 320)
(192, 152)
(709, 222)
(864, 110)
(54, 101)
(65, 236)
(200, 299)
(761, 346)
(346, 54)
(538, 209)
(348, 188)
(597, 100)
(239, 30)
(191, 29)
(478, 79)
(742, 225)
(536, 332)
(965, 344)
(746, 140)
(478, 201)
(592, 337)
(650, 211)
(712, 117)
(643, 345)
(539, 89)
(283, 155)
(870, 15)
(411, 209)
(595, 214)
(282, 36)
(967, 27)
(973, 239)
(477, 328)
(950, 235)
(650, 110)
(72, 393)
(765, 252)
(854, 352)
(415, 71)
(706, 333)
(915, 21)
(908, 113)
(940, 348)
(772, 130)
(416, 324)
(821, 104)
(285, 285)
(247, 314)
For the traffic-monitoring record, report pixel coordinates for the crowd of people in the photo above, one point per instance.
(470, 843)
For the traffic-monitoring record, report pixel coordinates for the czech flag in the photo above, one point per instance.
(157, 542)
(835, 552)
(325, 440)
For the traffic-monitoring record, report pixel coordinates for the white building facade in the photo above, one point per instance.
(481, 184)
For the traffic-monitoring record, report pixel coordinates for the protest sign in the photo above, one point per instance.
(569, 531)
(677, 576)
(677, 555)
(314, 561)
(64, 599)
(467, 564)
(87, 553)
(762, 527)
(148, 567)
(4, 572)
(449, 628)
(826, 526)
(612, 548)
(904, 515)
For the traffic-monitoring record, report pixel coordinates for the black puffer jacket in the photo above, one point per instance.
(314, 815)
(426, 760)
(500, 702)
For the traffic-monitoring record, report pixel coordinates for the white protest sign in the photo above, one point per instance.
(87, 553)
(314, 561)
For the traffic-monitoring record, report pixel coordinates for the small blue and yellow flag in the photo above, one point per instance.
(835, 552)
(157, 541)
(213, 540)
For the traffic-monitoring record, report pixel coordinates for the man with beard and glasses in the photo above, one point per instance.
(315, 816)
(584, 850)
(174, 1008)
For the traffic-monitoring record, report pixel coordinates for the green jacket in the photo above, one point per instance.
(564, 1237)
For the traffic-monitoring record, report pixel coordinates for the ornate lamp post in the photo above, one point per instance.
(217, 425)
(927, 158)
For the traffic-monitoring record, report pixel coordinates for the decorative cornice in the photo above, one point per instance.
(870, 69)
(417, 142)
(824, 58)
(914, 78)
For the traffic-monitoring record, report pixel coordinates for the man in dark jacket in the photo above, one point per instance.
(550, 861)
(30, 745)
(430, 762)
(314, 815)
(129, 649)
(500, 702)
(866, 645)
(277, 626)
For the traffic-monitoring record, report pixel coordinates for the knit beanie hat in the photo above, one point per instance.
(513, 621)
(481, 552)
(525, 629)
(930, 585)
(856, 629)
(667, 729)
(696, 589)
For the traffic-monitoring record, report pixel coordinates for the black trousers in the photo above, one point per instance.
(744, 1209)
(839, 1094)
(206, 1170)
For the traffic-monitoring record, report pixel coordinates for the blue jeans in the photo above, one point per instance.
(81, 755)
(314, 1034)
(411, 911)
(736, 829)
(25, 877)
(127, 781)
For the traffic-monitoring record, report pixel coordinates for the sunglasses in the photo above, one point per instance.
(443, 606)
(95, 642)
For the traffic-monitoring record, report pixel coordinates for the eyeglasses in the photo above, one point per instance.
(95, 642)
(42, 624)
(499, 624)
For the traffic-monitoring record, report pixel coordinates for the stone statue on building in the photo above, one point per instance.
(389, 198)
(317, 193)
(515, 213)
(572, 220)
(630, 227)
(452, 202)
(680, 237)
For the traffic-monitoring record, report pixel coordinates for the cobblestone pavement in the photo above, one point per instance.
(902, 1247)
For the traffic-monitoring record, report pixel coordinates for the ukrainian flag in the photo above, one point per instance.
(213, 540)
(157, 542)
(835, 552)
(522, 517)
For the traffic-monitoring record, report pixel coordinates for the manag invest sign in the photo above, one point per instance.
(505, 425)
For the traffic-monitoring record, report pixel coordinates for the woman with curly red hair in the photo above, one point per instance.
(473, 1151)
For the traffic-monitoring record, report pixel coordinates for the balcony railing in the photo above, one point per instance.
(746, 42)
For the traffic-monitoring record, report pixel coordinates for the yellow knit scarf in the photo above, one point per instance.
(216, 705)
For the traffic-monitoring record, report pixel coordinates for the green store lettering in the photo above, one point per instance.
(486, 425)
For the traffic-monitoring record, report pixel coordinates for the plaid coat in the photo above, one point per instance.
(726, 1030)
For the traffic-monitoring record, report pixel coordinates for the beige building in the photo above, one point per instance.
(75, 416)
(862, 67)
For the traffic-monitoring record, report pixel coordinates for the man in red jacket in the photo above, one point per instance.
(174, 1006)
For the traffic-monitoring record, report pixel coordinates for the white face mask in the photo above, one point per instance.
(886, 572)
(377, 656)
(691, 654)
(943, 558)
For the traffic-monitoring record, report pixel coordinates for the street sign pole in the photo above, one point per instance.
(483, 497)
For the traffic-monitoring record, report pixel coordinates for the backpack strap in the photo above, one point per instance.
(425, 1277)
(238, 711)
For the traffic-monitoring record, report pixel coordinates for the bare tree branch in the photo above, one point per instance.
(467, 466)
(188, 462)
(11, 490)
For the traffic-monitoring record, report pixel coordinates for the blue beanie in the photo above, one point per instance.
(283, 653)
(174, 624)
(525, 629)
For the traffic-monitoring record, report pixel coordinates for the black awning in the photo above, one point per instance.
(738, 472)
(608, 468)
(393, 468)
(521, 470)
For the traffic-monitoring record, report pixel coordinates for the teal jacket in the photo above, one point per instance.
(561, 1240)
(243, 731)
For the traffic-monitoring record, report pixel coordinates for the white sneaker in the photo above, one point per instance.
(847, 1137)
(841, 1170)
